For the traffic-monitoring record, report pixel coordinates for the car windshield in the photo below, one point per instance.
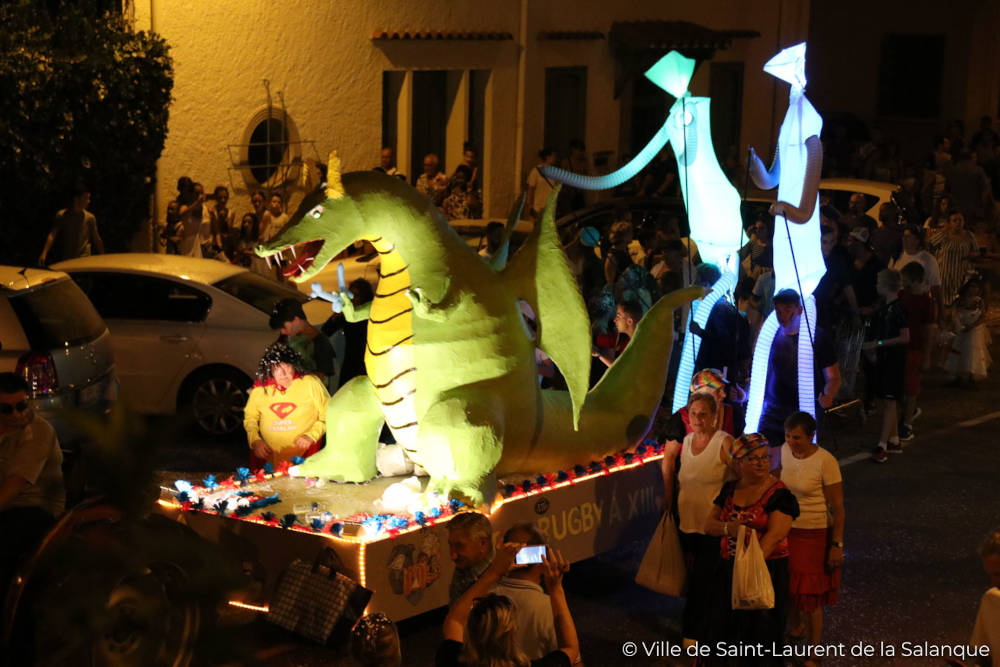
(57, 314)
(258, 291)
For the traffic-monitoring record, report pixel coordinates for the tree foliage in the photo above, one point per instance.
(85, 101)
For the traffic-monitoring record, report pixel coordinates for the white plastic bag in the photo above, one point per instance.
(752, 587)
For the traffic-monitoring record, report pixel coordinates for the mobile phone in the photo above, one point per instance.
(530, 555)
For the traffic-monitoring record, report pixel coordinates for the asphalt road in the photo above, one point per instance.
(911, 573)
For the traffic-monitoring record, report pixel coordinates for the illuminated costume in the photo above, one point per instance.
(798, 254)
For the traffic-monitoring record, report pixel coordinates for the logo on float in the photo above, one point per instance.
(283, 409)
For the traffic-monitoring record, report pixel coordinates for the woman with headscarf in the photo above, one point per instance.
(761, 502)
(285, 415)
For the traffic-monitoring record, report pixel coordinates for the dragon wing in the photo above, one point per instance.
(540, 274)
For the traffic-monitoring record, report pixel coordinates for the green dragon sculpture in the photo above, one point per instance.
(450, 360)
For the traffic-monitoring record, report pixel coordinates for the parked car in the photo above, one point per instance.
(52, 336)
(835, 191)
(187, 333)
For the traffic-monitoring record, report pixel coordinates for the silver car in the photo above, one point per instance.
(187, 333)
(51, 335)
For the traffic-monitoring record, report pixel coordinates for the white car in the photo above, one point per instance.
(187, 333)
(839, 191)
(51, 336)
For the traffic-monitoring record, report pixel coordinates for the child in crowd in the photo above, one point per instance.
(375, 642)
(174, 229)
(886, 350)
(968, 359)
(920, 317)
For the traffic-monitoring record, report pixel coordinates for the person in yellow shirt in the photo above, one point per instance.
(285, 415)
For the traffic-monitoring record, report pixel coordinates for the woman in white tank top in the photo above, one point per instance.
(704, 460)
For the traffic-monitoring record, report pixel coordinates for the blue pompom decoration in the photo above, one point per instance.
(297, 460)
(420, 517)
(209, 482)
(455, 504)
(316, 525)
(182, 496)
(289, 520)
(243, 474)
(579, 470)
(628, 457)
(373, 524)
(198, 504)
(640, 450)
(509, 489)
(220, 507)
(398, 522)
(540, 480)
(609, 461)
(434, 512)
(526, 485)
(562, 476)
(268, 468)
(336, 528)
(268, 516)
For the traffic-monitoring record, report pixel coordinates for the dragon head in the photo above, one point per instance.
(326, 222)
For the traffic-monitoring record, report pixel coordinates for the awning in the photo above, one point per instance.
(441, 35)
(639, 44)
(556, 35)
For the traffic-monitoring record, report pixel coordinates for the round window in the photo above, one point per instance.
(268, 143)
(271, 147)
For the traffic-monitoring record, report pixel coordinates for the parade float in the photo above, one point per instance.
(451, 372)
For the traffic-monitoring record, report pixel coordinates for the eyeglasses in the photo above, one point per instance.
(757, 459)
(9, 408)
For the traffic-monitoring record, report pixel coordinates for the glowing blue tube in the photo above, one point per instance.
(615, 178)
(807, 375)
(672, 73)
(762, 358)
(758, 372)
(700, 310)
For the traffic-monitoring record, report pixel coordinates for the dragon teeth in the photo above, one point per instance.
(294, 256)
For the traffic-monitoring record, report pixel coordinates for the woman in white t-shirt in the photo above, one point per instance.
(816, 540)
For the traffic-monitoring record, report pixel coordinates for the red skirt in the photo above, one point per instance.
(812, 584)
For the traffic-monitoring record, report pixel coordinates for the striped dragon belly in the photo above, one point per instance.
(389, 353)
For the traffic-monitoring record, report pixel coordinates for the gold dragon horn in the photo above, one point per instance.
(334, 187)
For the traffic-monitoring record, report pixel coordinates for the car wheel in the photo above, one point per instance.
(215, 400)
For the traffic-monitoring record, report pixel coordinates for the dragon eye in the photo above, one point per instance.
(317, 212)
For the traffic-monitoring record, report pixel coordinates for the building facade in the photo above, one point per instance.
(262, 85)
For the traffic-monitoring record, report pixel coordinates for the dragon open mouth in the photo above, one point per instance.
(303, 256)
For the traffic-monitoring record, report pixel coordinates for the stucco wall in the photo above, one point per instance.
(320, 55)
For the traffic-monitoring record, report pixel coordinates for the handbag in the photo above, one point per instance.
(318, 602)
(752, 587)
(662, 567)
